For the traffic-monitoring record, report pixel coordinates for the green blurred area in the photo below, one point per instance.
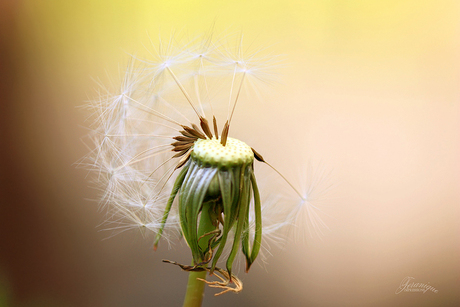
(4, 290)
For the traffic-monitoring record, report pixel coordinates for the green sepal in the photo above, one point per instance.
(192, 217)
(227, 188)
(243, 205)
(245, 248)
(258, 227)
(184, 192)
(176, 187)
(194, 203)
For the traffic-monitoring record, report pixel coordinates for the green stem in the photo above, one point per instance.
(195, 287)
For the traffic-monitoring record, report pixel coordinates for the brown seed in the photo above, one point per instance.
(194, 131)
(197, 130)
(179, 154)
(187, 134)
(184, 138)
(179, 143)
(214, 121)
(182, 147)
(223, 139)
(257, 155)
(204, 125)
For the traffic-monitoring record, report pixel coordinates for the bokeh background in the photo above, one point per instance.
(369, 89)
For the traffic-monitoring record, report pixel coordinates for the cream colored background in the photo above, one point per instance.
(370, 89)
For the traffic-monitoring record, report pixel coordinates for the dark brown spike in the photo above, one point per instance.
(223, 139)
(185, 138)
(182, 147)
(204, 125)
(197, 129)
(216, 132)
(257, 155)
(179, 143)
(194, 131)
(180, 154)
(187, 134)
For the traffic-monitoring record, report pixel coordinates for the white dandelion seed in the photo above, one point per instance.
(307, 212)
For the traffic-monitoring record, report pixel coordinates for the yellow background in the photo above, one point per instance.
(369, 88)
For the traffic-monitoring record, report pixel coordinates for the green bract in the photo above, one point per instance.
(214, 191)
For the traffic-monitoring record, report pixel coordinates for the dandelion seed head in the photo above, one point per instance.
(164, 159)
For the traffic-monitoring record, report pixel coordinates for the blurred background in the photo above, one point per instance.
(370, 89)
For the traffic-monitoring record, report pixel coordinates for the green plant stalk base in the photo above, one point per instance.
(195, 287)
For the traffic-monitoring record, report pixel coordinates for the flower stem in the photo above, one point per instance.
(195, 287)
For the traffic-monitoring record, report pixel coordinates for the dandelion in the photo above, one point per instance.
(166, 161)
